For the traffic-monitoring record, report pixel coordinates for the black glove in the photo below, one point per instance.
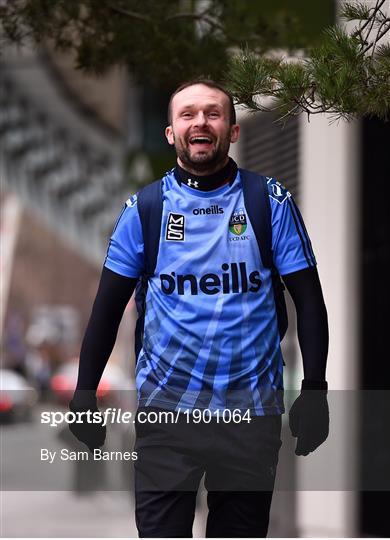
(309, 417)
(90, 433)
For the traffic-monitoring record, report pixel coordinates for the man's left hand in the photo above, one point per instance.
(309, 417)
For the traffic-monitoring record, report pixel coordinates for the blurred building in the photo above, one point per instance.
(338, 174)
(62, 188)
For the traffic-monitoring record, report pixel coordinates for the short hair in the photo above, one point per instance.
(206, 82)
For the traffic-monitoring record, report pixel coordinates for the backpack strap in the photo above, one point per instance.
(257, 203)
(150, 208)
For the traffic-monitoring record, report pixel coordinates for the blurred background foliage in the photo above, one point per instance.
(163, 43)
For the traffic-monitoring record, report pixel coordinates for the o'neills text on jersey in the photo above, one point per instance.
(234, 279)
(213, 209)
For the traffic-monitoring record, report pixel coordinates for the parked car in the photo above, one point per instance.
(17, 397)
(113, 383)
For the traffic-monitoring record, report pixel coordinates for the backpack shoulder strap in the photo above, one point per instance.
(150, 208)
(258, 206)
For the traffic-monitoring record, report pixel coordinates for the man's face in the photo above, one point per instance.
(200, 128)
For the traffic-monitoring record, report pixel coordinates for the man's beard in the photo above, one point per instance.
(203, 161)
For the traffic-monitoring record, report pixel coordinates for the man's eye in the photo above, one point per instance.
(186, 115)
(214, 114)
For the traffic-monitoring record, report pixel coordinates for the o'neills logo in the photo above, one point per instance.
(213, 209)
(233, 279)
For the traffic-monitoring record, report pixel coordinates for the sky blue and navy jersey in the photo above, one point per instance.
(211, 336)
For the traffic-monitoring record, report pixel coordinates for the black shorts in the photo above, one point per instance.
(239, 462)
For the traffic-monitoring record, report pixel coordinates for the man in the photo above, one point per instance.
(211, 344)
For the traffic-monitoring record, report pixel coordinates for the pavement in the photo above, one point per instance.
(42, 500)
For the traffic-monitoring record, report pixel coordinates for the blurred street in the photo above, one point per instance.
(54, 513)
(63, 513)
(74, 512)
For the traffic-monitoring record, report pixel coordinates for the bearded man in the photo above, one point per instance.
(209, 365)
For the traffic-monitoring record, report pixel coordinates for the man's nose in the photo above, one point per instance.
(200, 119)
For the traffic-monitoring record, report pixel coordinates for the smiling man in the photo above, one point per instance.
(207, 245)
(202, 126)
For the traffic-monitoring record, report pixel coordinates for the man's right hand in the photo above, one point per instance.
(91, 434)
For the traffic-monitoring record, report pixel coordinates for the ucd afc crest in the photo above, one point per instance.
(238, 223)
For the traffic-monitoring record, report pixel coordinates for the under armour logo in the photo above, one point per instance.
(191, 183)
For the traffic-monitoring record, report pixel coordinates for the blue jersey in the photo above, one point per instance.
(211, 337)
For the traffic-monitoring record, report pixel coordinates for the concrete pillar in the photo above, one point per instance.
(330, 207)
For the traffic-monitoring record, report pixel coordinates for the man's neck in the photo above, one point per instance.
(199, 172)
(214, 180)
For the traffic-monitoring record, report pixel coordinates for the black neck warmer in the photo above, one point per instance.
(210, 182)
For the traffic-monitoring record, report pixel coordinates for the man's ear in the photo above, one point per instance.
(169, 135)
(234, 133)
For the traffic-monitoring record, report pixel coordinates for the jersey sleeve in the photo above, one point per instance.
(125, 252)
(292, 250)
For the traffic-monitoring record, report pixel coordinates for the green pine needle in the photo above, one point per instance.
(355, 11)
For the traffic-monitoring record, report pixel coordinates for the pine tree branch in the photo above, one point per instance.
(339, 79)
(197, 17)
(130, 14)
(290, 112)
(377, 8)
(378, 36)
(359, 31)
(203, 17)
(345, 75)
